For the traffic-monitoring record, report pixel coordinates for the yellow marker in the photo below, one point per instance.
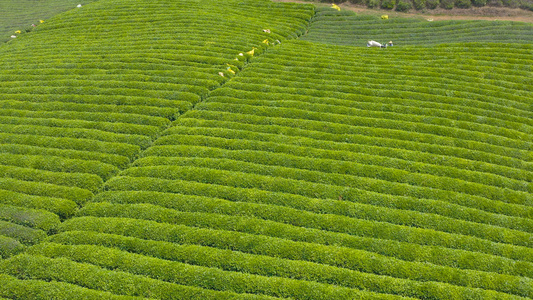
(18, 31)
(41, 21)
(385, 17)
(335, 6)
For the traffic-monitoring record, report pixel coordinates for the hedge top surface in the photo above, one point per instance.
(347, 28)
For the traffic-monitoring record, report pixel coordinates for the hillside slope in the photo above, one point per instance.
(19, 15)
(347, 28)
(134, 169)
(85, 92)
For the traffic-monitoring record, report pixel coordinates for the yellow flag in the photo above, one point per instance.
(335, 6)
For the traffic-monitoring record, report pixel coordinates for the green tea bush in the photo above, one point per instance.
(9, 247)
(62, 207)
(24, 235)
(364, 146)
(259, 244)
(209, 278)
(148, 211)
(188, 274)
(378, 214)
(56, 164)
(307, 171)
(78, 195)
(356, 30)
(102, 281)
(125, 150)
(109, 159)
(84, 181)
(13, 287)
(268, 262)
(39, 219)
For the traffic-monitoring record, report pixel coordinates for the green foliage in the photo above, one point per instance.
(314, 171)
(479, 3)
(39, 219)
(419, 4)
(13, 288)
(84, 181)
(355, 30)
(403, 5)
(463, 3)
(387, 4)
(432, 4)
(108, 159)
(372, 3)
(447, 4)
(9, 247)
(79, 196)
(103, 280)
(259, 244)
(511, 3)
(22, 234)
(57, 164)
(64, 208)
(21, 14)
(208, 278)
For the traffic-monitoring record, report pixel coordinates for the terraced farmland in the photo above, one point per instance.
(347, 28)
(307, 171)
(21, 14)
(82, 95)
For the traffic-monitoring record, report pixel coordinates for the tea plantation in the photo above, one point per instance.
(346, 28)
(246, 149)
(21, 14)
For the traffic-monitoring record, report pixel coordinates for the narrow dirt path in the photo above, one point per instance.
(474, 13)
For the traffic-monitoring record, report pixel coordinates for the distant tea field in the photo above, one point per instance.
(246, 149)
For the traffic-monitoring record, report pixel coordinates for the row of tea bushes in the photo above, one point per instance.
(347, 28)
(294, 172)
(20, 15)
(315, 172)
(86, 91)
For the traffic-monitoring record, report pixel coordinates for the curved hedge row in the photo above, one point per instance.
(21, 14)
(83, 93)
(315, 172)
(322, 254)
(298, 168)
(347, 28)
(94, 280)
